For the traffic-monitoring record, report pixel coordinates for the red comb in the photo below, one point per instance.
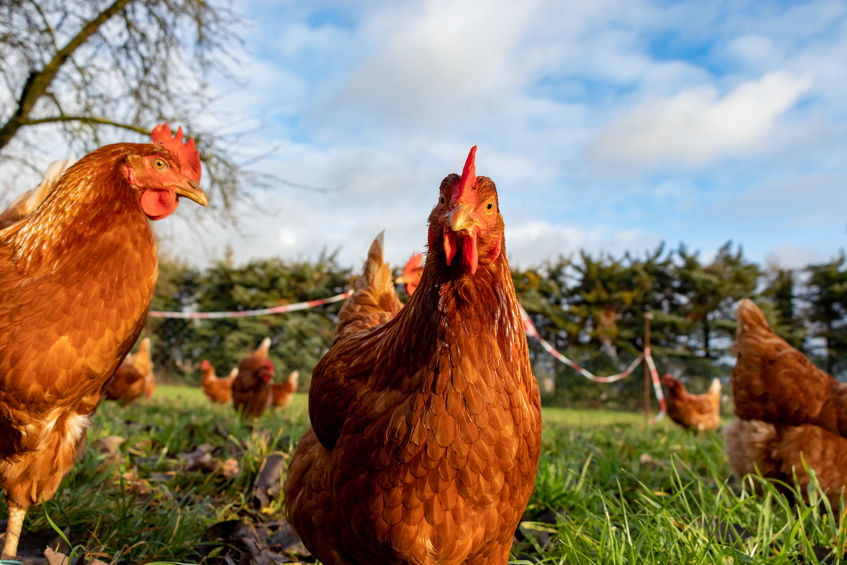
(468, 179)
(413, 264)
(185, 153)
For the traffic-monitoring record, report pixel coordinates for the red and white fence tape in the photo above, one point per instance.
(657, 388)
(245, 313)
(530, 329)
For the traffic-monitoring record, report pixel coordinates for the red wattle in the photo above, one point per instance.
(470, 253)
(449, 245)
(158, 204)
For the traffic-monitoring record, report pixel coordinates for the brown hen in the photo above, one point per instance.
(218, 389)
(775, 382)
(693, 411)
(789, 411)
(426, 420)
(283, 393)
(133, 377)
(76, 280)
(251, 391)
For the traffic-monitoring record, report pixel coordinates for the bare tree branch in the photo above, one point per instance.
(39, 81)
(82, 69)
(87, 120)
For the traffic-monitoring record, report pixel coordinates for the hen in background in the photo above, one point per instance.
(251, 390)
(134, 376)
(282, 393)
(24, 204)
(76, 279)
(775, 382)
(218, 389)
(789, 410)
(410, 277)
(426, 420)
(698, 412)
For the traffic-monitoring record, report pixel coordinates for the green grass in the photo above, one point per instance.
(610, 490)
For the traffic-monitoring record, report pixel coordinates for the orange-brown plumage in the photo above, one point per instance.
(133, 377)
(283, 393)
(426, 426)
(775, 382)
(76, 279)
(693, 411)
(218, 389)
(251, 391)
(787, 409)
(781, 452)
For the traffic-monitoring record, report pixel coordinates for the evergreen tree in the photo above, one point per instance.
(827, 299)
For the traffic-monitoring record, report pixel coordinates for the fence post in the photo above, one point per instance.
(647, 317)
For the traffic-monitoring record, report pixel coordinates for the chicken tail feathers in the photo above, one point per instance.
(376, 275)
(715, 388)
(374, 299)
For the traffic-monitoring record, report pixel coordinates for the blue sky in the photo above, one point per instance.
(610, 125)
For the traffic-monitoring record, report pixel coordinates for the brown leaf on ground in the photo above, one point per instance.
(268, 485)
(234, 541)
(59, 558)
(199, 459)
(285, 541)
(238, 543)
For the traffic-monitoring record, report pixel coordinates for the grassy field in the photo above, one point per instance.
(174, 479)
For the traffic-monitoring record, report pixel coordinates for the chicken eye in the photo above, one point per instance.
(442, 200)
(160, 164)
(489, 206)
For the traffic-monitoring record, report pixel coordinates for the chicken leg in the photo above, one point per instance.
(13, 530)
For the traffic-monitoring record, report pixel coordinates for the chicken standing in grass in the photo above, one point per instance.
(251, 390)
(792, 415)
(218, 389)
(283, 393)
(426, 420)
(134, 376)
(76, 279)
(698, 412)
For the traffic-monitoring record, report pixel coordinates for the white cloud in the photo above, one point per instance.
(790, 256)
(607, 125)
(697, 126)
(532, 242)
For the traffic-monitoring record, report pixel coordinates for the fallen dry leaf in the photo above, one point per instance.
(268, 483)
(200, 458)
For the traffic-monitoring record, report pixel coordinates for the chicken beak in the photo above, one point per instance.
(459, 220)
(192, 191)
